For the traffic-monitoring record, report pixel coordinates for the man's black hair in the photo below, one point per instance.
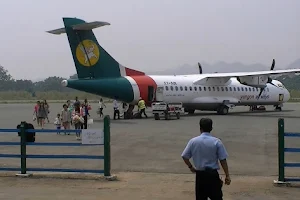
(206, 124)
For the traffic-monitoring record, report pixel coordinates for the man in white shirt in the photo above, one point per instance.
(101, 106)
(116, 108)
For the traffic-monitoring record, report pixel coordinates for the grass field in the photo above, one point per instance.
(51, 96)
(295, 95)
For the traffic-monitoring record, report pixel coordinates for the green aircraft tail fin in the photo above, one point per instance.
(90, 59)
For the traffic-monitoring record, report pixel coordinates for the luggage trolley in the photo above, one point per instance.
(166, 109)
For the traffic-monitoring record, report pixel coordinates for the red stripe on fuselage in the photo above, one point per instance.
(132, 72)
(143, 83)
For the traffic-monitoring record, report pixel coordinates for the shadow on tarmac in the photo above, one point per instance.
(267, 114)
(118, 121)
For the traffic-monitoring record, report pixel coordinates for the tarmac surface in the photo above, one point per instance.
(147, 145)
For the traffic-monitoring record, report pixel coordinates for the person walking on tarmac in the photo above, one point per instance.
(206, 151)
(142, 107)
(101, 105)
(116, 108)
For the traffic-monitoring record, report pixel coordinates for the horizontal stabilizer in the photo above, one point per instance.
(80, 27)
(57, 31)
(89, 26)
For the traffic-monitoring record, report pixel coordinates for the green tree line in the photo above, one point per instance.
(50, 88)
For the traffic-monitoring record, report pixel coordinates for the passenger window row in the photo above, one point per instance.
(212, 88)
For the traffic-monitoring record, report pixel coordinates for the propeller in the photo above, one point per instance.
(261, 90)
(273, 64)
(200, 68)
(272, 68)
(269, 79)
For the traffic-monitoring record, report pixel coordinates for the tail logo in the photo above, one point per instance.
(87, 53)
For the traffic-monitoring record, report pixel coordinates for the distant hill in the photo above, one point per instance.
(220, 67)
(294, 65)
(291, 83)
(211, 68)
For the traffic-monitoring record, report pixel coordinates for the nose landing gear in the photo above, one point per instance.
(278, 107)
(190, 111)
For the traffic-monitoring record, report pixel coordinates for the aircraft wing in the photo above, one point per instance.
(256, 78)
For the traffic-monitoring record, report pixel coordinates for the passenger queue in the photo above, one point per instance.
(77, 114)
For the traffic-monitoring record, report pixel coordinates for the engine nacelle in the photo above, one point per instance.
(254, 81)
(213, 81)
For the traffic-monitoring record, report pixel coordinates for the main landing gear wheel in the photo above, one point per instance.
(156, 116)
(278, 108)
(190, 111)
(167, 116)
(223, 110)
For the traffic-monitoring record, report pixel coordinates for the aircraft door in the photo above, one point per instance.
(159, 94)
(151, 93)
(281, 97)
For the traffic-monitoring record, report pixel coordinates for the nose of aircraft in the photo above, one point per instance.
(64, 83)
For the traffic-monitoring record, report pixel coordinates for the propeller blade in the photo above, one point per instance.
(273, 64)
(200, 68)
(272, 68)
(270, 81)
(261, 90)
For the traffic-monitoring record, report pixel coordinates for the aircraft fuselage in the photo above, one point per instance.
(182, 89)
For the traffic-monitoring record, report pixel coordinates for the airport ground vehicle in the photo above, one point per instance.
(166, 109)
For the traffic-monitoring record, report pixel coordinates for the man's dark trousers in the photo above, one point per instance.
(116, 112)
(143, 111)
(208, 185)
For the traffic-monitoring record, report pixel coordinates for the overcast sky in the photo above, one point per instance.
(150, 35)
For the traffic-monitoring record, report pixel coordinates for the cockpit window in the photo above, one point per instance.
(280, 85)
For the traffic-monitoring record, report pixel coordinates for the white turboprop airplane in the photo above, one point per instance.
(219, 92)
(99, 73)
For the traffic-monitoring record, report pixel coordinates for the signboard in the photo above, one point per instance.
(92, 136)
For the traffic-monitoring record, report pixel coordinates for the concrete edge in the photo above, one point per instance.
(111, 178)
(83, 176)
(281, 183)
(24, 175)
